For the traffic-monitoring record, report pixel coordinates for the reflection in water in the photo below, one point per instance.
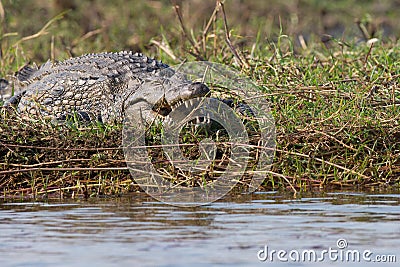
(135, 231)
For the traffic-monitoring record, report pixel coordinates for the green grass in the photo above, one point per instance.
(336, 102)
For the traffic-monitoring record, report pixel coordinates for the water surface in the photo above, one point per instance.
(137, 231)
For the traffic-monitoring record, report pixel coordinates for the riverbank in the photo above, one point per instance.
(335, 101)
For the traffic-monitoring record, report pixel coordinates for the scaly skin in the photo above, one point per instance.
(101, 86)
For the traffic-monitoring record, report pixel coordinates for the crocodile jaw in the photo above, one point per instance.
(186, 92)
(153, 99)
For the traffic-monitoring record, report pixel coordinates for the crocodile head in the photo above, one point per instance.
(160, 96)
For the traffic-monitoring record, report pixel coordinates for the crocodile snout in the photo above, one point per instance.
(198, 89)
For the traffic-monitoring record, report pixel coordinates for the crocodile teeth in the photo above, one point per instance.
(208, 118)
(168, 121)
(177, 104)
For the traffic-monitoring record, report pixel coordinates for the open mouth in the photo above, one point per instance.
(164, 108)
(186, 97)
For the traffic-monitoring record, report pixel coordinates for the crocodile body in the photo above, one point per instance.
(100, 87)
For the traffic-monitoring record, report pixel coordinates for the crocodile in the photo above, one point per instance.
(100, 87)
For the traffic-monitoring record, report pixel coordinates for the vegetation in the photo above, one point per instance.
(329, 71)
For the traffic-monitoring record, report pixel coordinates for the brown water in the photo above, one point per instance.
(136, 231)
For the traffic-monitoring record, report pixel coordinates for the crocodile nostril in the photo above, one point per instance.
(199, 89)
